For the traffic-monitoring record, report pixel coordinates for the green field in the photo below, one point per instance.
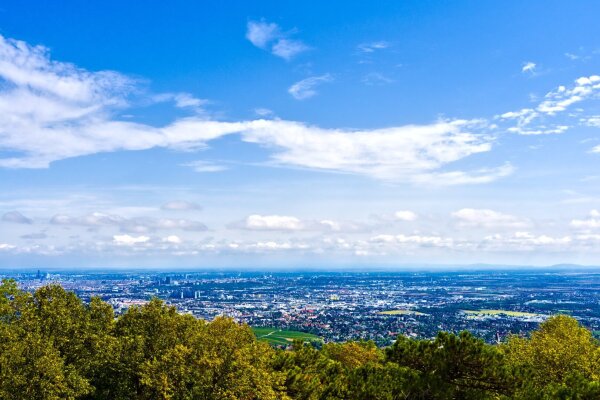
(400, 312)
(282, 337)
(501, 312)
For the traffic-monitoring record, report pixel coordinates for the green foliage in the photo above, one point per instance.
(53, 346)
(453, 366)
(561, 357)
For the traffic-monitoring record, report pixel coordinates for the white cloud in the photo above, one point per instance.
(305, 88)
(412, 240)
(560, 99)
(91, 220)
(293, 224)
(16, 217)
(6, 246)
(525, 241)
(182, 100)
(263, 112)
(485, 218)
(410, 153)
(376, 78)
(180, 205)
(270, 36)
(273, 222)
(135, 225)
(51, 111)
(480, 176)
(405, 215)
(287, 49)
(592, 222)
(528, 67)
(262, 33)
(373, 46)
(593, 121)
(169, 223)
(531, 121)
(173, 239)
(129, 240)
(205, 166)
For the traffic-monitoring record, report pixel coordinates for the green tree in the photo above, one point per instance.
(452, 367)
(559, 354)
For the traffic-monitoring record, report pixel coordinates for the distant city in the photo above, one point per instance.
(348, 306)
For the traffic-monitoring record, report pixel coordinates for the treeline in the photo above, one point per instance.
(53, 346)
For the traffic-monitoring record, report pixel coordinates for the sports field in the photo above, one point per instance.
(501, 312)
(400, 312)
(282, 337)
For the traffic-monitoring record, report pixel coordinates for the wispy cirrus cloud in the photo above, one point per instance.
(270, 37)
(180, 205)
(540, 120)
(528, 67)
(261, 33)
(371, 47)
(205, 166)
(376, 78)
(306, 88)
(52, 111)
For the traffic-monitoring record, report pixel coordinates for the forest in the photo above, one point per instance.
(55, 346)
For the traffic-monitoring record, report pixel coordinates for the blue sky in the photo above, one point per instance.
(280, 134)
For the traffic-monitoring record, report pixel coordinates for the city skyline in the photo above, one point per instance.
(299, 135)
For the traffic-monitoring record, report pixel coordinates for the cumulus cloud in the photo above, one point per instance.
(269, 36)
(290, 224)
(405, 215)
(129, 240)
(305, 88)
(16, 218)
(525, 241)
(173, 239)
(180, 205)
(485, 218)
(593, 121)
(592, 222)
(420, 240)
(94, 219)
(273, 222)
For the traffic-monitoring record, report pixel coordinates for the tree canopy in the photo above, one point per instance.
(55, 346)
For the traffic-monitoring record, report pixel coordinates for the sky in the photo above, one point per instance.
(281, 134)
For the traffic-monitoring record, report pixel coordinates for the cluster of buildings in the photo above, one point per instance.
(345, 306)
